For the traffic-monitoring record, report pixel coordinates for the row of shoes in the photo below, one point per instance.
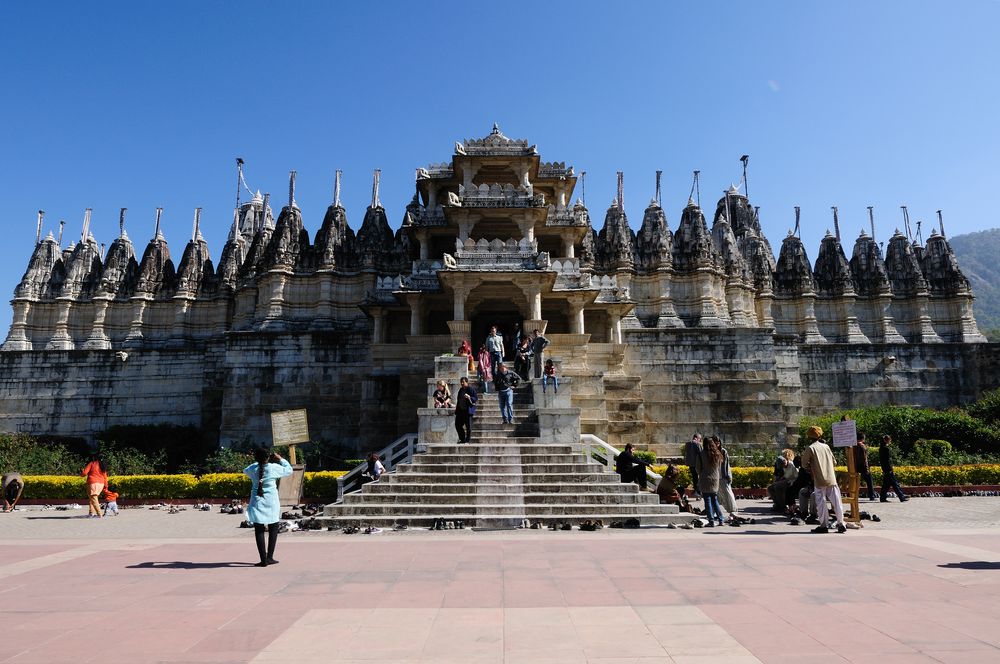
(159, 506)
(202, 507)
(174, 509)
(627, 523)
(560, 525)
(234, 507)
(590, 526)
(441, 524)
(367, 530)
(310, 524)
(71, 506)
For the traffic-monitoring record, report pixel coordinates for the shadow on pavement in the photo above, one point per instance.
(181, 564)
(972, 564)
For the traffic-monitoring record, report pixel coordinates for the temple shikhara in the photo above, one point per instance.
(688, 324)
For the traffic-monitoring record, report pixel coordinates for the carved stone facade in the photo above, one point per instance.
(664, 331)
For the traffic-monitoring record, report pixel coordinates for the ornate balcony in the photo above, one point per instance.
(495, 144)
(442, 171)
(497, 255)
(566, 217)
(496, 196)
(555, 169)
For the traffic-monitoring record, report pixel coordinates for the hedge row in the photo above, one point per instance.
(319, 485)
(759, 478)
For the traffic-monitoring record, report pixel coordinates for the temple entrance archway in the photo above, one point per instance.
(502, 304)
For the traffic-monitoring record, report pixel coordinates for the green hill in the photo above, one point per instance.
(977, 256)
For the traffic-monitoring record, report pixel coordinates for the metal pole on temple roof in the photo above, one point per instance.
(102, 251)
(263, 212)
(697, 187)
(836, 222)
(239, 180)
(871, 220)
(62, 224)
(121, 222)
(728, 219)
(621, 191)
(940, 222)
(659, 174)
(746, 185)
(798, 230)
(583, 187)
(291, 189)
(920, 234)
(375, 183)
(41, 215)
(906, 222)
(196, 232)
(159, 212)
(336, 187)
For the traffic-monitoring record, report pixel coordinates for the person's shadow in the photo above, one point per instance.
(972, 564)
(181, 564)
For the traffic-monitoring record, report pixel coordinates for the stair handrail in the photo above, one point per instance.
(606, 453)
(398, 451)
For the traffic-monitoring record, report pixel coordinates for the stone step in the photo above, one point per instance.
(404, 510)
(487, 469)
(487, 499)
(399, 488)
(492, 459)
(519, 445)
(481, 521)
(596, 476)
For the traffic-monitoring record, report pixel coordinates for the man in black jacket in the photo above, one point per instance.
(538, 345)
(505, 381)
(631, 467)
(888, 474)
(465, 408)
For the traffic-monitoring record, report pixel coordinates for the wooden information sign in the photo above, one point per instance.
(289, 427)
(845, 435)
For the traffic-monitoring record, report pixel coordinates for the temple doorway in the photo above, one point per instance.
(502, 305)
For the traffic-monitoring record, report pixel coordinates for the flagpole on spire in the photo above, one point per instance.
(940, 222)
(375, 183)
(157, 234)
(41, 215)
(836, 222)
(659, 174)
(239, 179)
(906, 222)
(696, 189)
(196, 231)
(583, 187)
(746, 185)
(621, 191)
(86, 224)
(291, 190)
(798, 229)
(62, 225)
(121, 222)
(871, 220)
(336, 187)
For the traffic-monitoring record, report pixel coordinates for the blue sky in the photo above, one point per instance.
(143, 105)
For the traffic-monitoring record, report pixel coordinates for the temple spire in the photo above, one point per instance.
(336, 187)
(836, 222)
(86, 224)
(41, 215)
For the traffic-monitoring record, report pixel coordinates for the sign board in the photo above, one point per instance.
(289, 427)
(845, 434)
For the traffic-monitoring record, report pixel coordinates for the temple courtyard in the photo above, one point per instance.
(149, 586)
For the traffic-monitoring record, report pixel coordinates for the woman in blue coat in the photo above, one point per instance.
(265, 508)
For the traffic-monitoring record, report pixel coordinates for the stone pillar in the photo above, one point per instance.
(460, 293)
(707, 308)
(432, 197)
(183, 305)
(809, 327)
(98, 339)
(134, 338)
(527, 228)
(569, 250)
(469, 171)
(275, 318)
(416, 314)
(614, 328)
(668, 313)
(764, 302)
(324, 309)
(60, 337)
(378, 325)
(534, 296)
(890, 335)
(425, 245)
(464, 229)
(575, 317)
(924, 324)
(852, 331)
(17, 338)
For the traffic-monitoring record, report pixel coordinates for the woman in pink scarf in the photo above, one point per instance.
(485, 368)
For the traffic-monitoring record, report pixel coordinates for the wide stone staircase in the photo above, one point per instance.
(503, 477)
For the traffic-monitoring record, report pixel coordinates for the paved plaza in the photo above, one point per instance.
(148, 586)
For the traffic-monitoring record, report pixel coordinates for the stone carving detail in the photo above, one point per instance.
(940, 268)
(588, 248)
(376, 247)
(693, 246)
(495, 143)
(728, 249)
(902, 267)
(615, 243)
(655, 242)
(499, 195)
(832, 274)
(83, 270)
(286, 242)
(754, 247)
(43, 261)
(156, 270)
(335, 241)
(794, 275)
(195, 269)
(868, 268)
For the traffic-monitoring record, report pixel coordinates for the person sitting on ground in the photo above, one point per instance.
(549, 376)
(111, 496)
(442, 395)
(669, 491)
(818, 460)
(630, 467)
(785, 473)
(13, 486)
(375, 467)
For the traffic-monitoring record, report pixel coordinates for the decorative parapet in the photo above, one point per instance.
(498, 195)
(567, 217)
(497, 255)
(495, 144)
(421, 216)
(555, 169)
(611, 292)
(442, 171)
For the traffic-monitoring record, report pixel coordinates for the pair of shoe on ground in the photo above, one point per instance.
(822, 529)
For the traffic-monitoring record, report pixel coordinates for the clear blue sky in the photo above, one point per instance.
(147, 104)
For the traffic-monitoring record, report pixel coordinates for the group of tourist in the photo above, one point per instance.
(526, 351)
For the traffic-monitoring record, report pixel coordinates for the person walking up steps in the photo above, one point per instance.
(494, 345)
(505, 382)
(818, 460)
(465, 409)
(888, 472)
(264, 510)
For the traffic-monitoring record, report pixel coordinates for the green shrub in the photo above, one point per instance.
(180, 445)
(648, 456)
(28, 456)
(142, 487)
(322, 485)
(44, 487)
(987, 408)
(222, 485)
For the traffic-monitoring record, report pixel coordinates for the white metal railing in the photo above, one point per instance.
(605, 453)
(398, 451)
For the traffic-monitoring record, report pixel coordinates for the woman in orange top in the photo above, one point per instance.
(97, 476)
